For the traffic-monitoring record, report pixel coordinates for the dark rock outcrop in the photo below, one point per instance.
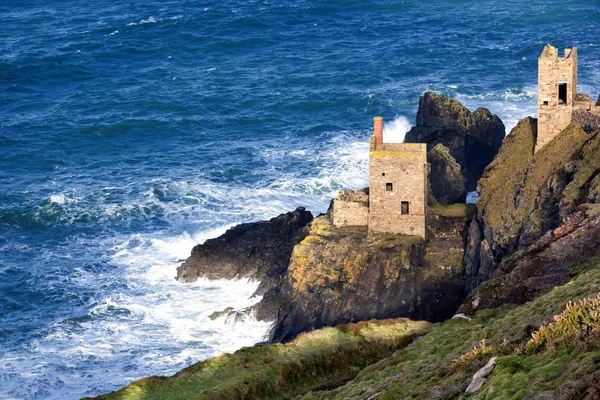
(342, 275)
(259, 250)
(473, 138)
(548, 263)
(446, 179)
(524, 196)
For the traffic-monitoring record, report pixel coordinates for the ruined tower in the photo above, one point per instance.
(557, 92)
(397, 185)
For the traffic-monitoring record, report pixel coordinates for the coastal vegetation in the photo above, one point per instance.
(537, 353)
(320, 359)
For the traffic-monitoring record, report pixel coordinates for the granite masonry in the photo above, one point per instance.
(396, 201)
(557, 93)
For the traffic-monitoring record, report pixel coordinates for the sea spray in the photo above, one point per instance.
(395, 131)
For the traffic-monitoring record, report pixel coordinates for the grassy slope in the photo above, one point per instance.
(439, 364)
(323, 358)
(427, 368)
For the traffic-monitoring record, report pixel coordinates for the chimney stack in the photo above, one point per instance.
(378, 130)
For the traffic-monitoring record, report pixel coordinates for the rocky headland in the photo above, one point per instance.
(520, 268)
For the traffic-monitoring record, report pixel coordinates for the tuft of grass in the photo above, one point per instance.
(483, 350)
(578, 324)
(453, 210)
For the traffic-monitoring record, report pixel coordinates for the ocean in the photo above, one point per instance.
(131, 131)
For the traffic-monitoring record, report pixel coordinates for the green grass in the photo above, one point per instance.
(453, 210)
(323, 358)
(441, 364)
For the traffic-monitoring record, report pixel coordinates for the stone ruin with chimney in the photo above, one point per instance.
(396, 201)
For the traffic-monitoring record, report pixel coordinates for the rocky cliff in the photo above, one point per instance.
(342, 275)
(445, 177)
(524, 196)
(473, 138)
(532, 243)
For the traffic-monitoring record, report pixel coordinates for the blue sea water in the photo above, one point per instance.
(130, 131)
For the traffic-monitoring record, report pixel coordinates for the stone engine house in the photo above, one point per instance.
(557, 93)
(396, 201)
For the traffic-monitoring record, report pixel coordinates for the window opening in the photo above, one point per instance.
(389, 187)
(404, 207)
(562, 93)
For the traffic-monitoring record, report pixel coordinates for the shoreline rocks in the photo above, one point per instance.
(259, 250)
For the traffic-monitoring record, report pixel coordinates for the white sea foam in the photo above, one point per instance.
(395, 131)
(58, 198)
(150, 20)
(472, 197)
(151, 324)
(141, 321)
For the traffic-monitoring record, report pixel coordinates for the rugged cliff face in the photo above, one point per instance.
(342, 275)
(259, 250)
(473, 138)
(525, 196)
(551, 261)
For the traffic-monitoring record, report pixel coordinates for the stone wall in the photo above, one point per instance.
(351, 208)
(397, 174)
(554, 115)
(551, 121)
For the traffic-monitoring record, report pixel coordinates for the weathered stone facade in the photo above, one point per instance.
(351, 208)
(397, 188)
(557, 93)
(396, 201)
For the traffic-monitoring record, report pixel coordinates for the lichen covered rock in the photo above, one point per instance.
(340, 275)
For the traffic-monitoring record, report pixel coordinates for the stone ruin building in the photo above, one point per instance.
(396, 201)
(557, 93)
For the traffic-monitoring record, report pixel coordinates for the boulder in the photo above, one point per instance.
(481, 376)
(445, 178)
(472, 138)
(259, 250)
